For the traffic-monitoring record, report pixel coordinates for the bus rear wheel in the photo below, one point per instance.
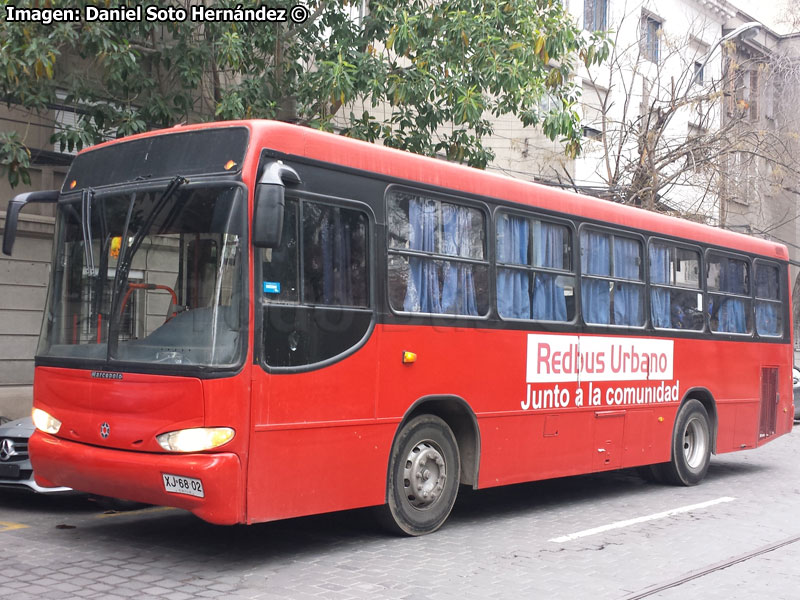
(424, 472)
(691, 447)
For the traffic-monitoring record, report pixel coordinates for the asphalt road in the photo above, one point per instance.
(612, 535)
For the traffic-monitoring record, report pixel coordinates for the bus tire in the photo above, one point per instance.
(423, 477)
(691, 446)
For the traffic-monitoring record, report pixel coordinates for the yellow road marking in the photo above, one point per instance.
(9, 526)
(141, 511)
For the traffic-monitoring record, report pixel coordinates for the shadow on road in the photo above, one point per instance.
(181, 533)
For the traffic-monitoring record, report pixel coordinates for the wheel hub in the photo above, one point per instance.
(694, 443)
(424, 475)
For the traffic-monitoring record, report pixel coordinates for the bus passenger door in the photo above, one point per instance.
(609, 427)
(314, 392)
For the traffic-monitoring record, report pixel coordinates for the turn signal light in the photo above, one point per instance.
(409, 357)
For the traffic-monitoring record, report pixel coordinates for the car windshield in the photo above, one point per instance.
(152, 275)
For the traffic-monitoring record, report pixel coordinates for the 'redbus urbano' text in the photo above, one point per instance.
(575, 358)
(617, 358)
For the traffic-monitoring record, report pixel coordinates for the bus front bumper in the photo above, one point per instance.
(144, 477)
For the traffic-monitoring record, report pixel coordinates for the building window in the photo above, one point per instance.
(769, 100)
(745, 97)
(592, 134)
(753, 95)
(649, 40)
(741, 177)
(594, 14)
(548, 102)
(698, 73)
(593, 102)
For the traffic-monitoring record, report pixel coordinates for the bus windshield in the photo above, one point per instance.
(148, 276)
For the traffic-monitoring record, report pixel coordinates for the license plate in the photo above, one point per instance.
(178, 484)
(9, 471)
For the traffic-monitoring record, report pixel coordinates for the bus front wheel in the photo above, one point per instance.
(691, 447)
(423, 477)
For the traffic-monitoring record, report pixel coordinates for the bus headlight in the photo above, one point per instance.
(45, 422)
(195, 440)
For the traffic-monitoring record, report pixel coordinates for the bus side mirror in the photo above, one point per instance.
(12, 214)
(269, 204)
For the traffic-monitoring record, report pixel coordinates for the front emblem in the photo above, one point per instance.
(105, 430)
(7, 449)
(106, 375)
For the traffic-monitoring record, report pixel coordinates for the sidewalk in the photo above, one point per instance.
(16, 401)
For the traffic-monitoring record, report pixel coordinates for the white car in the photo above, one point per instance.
(796, 392)
(15, 463)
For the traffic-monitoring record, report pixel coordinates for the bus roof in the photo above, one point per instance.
(397, 164)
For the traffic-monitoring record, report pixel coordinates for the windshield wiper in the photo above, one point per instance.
(86, 228)
(173, 186)
(101, 275)
(127, 254)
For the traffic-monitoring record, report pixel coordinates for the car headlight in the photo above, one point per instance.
(195, 440)
(45, 422)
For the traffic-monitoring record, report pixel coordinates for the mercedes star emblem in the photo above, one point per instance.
(7, 449)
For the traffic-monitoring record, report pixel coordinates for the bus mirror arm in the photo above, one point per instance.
(269, 204)
(12, 214)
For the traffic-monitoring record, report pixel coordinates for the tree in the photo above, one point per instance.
(690, 133)
(442, 69)
(789, 16)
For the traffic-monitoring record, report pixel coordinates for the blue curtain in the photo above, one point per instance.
(453, 292)
(767, 283)
(731, 317)
(767, 313)
(628, 309)
(549, 303)
(767, 319)
(423, 293)
(596, 294)
(337, 286)
(458, 288)
(659, 297)
(513, 286)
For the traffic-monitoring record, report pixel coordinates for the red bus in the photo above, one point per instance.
(254, 321)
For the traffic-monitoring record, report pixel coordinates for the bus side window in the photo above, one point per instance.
(768, 300)
(612, 282)
(315, 286)
(334, 256)
(437, 256)
(729, 306)
(279, 271)
(675, 298)
(534, 269)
